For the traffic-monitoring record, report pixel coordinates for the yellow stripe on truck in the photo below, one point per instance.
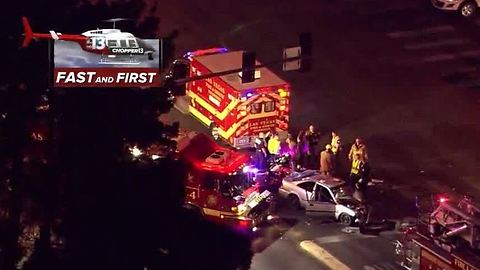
(220, 115)
(323, 256)
(199, 115)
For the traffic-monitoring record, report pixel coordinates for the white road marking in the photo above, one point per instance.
(341, 238)
(419, 32)
(323, 256)
(439, 43)
(450, 56)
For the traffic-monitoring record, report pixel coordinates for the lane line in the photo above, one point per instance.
(322, 255)
(418, 32)
(439, 43)
(341, 238)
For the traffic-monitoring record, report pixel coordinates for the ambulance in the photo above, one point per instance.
(238, 112)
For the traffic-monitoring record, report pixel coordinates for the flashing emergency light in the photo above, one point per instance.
(442, 199)
(250, 169)
(283, 94)
(205, 52)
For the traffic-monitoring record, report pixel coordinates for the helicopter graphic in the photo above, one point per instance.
(108, 43)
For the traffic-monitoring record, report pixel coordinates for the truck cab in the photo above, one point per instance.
(218, 188)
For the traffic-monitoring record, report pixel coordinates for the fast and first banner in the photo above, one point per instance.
(106, 77)
(75, 66)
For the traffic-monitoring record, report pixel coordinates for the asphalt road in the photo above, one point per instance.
(400, 74)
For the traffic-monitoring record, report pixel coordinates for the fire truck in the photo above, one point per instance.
(236, 111)
(218, 185)
(446, 236)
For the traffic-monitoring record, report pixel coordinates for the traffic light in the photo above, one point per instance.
(305, 42)
(179, 71)
(248, 67)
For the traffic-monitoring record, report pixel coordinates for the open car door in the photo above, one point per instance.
(320, 202)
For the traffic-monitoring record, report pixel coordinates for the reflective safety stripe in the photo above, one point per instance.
(355, 166)
(220, 115)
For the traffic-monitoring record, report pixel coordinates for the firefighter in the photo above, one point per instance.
(274, 145)
(335, 143)
(327, 161)
(312, 137)
(358, 147)
(355, 170)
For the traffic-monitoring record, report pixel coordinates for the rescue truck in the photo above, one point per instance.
(238, 112)
(446, 236)
(218, 186)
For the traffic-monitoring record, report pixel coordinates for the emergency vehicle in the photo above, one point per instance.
(446, 237)
(218, 185)
(237, 111)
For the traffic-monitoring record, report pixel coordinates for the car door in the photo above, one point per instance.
(320, 202)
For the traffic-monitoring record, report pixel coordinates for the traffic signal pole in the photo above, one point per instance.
(233, 71)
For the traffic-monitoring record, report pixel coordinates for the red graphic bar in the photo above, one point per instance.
(106, 77)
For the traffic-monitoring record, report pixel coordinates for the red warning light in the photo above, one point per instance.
(443, 199)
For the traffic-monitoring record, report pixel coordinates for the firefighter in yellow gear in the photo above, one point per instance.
(335, 143)
(274, 145)
(358, 147)
(355, 171)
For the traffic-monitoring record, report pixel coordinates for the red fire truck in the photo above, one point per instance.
(446, 237)
(237, 111)
(218, 185)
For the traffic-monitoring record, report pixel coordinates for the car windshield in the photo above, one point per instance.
(343, 192)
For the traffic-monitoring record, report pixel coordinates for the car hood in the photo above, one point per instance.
(350, 203)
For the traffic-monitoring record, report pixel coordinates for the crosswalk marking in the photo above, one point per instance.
(437, 43)
(419, 32)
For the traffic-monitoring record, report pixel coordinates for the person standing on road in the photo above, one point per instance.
(292, 150)
(302, 149)
(358, 147)
(357, 163)
(260, 157)
(335, 143)
(362, 182)
(312, 137)
(327, 161)
(274, 145)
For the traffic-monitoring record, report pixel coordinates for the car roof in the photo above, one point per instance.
(315, 176)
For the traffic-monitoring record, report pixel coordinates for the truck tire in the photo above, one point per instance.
(468, 9)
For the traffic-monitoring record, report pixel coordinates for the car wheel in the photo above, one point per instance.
(294, 201)
(345, 219)
(468, 9)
